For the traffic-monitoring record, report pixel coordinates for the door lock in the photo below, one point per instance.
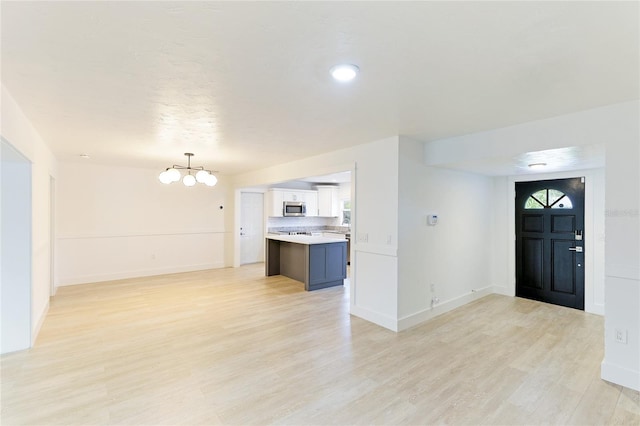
(578, 235)
(576, 249)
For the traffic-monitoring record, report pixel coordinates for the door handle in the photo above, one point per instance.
(576, 249)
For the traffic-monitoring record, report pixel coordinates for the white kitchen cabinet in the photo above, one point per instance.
(293, 195)
(328, 203)
(311, 199)
(275, 198)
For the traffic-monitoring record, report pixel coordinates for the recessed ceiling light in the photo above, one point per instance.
(344, 72)
(85, 156)
(537, 165)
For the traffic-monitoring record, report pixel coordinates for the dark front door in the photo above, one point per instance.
(550, 241)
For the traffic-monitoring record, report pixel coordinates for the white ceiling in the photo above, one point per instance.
(342, 177)
(554, 160)
(245, 85)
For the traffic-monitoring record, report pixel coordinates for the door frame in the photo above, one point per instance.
(594, 233)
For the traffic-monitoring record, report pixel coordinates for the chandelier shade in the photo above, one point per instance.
(201, 176)
(188, 180)
(174, 174)
(193, 174)
(211, 180)
(165, 177)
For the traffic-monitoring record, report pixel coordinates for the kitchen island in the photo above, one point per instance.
(318, 262)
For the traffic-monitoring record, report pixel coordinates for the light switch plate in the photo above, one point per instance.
(620, 336)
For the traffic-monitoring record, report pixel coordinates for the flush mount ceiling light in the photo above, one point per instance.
(172, 174)
(537, 166)
(344, 72)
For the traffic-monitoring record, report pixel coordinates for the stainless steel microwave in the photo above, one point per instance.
(294, 208)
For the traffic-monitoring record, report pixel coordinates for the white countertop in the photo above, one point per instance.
(305, 239)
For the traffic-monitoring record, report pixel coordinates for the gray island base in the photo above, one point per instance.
(318, 262)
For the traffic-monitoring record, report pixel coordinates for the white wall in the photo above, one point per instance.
(121, 222)
(584, 128)
(501, 242)
(15, 250)
(374, 168)
(622, 247)
(452, 256)
(617, 128)
(18, 131)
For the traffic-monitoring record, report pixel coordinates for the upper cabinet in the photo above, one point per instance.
(328, 201)
(325, 202)
(311, 199)
(276, 196)
(274, 202)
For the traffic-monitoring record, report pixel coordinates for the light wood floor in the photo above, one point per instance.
(231, 346)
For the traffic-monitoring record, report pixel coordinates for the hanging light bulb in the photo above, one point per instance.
(165, 177)
(174, 174)
(189, 180)
(211, 180)
(202, 176)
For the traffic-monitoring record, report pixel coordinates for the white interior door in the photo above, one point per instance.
(251, 227)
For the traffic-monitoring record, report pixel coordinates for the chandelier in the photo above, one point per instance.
(172, 174)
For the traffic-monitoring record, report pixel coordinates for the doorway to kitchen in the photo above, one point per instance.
(251, 227)
(550, 241)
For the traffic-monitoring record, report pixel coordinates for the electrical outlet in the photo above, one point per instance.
(433, 288)
(620, 336)
(363, 237)
(389, 240)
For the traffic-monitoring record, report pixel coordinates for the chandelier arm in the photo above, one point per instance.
(178, 167)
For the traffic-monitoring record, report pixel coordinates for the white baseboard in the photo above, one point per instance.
(36, 330)
(502, 290)
(595, 309)
(85, 279)
(620, 375)
(446, 306)
(374, 317)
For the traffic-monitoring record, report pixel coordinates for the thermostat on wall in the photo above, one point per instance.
(432, 219)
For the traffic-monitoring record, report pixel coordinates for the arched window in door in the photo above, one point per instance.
(548, 199)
